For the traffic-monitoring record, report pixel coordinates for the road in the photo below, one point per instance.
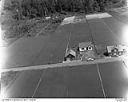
(97, 80)
(79, 81)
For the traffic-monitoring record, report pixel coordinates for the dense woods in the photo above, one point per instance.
(23, 9)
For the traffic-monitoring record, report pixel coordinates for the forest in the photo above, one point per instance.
(22, 9)
(27, 17)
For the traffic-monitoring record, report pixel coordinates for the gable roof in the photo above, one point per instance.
(85, 44)
(70, 51)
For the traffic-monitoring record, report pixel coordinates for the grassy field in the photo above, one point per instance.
(7, 78)
(29, 28)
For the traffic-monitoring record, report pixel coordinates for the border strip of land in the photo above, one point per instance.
(69, 64)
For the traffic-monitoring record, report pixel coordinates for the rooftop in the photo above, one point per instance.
(85, 44)
(70, 51)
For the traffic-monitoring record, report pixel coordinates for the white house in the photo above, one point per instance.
(86, 46)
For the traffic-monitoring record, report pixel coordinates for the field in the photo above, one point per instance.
(39, 38)
(108, 80)
(96, 80)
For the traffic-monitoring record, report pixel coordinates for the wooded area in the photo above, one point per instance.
(22, 9)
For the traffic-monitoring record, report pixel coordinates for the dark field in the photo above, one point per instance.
(96, 81)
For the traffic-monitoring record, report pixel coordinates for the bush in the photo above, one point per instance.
(20, 28)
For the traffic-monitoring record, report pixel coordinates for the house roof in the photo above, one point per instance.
(70, 51)
(85, 44)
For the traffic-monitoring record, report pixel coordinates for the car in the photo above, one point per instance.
(90, 59)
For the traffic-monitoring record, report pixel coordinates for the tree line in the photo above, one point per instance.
(23, 9)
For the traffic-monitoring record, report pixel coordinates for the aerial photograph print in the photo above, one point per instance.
(64, 49)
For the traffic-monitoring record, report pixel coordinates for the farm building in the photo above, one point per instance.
(117, 50)
(70, 55)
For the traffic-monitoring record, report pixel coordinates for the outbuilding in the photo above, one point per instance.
(70, 55)
(117, 50)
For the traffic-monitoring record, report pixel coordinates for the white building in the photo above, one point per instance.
(86, 46)
(117, 50)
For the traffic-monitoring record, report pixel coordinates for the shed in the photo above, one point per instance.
(70, 55)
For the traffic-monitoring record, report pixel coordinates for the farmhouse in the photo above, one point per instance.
(85, 46)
